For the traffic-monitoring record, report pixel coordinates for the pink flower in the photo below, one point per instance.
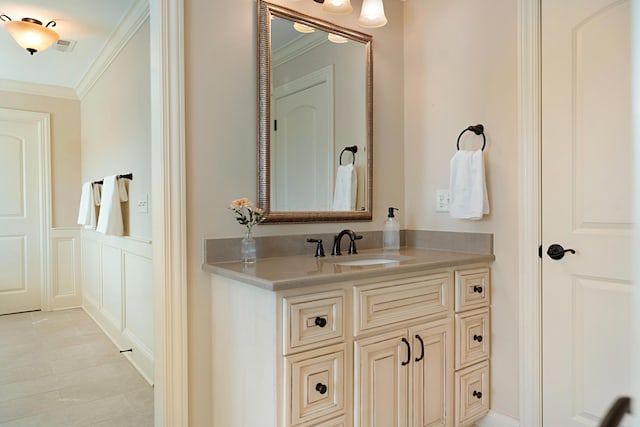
(240, 203)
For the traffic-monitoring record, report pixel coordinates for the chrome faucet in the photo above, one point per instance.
(337, 239)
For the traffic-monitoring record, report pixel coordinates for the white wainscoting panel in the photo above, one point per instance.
(118, 283)
(66, 291)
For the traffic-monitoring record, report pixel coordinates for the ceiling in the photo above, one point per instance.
(88, 22)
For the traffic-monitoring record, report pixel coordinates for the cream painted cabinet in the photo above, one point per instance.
(405, 377)
(396, 350)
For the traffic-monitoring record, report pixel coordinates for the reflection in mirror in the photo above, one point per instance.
(314, 153)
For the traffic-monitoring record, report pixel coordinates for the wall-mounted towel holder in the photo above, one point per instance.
(353, 149)
(128, 176)
(478, 130)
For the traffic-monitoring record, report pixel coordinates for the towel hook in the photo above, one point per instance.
(478, 130)
(353, 149)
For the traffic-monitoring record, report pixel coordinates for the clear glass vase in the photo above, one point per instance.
(248, 249)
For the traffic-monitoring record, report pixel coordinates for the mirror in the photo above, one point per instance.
(314, 119)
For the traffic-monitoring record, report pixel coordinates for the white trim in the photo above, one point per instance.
(495, 419)
(132, 21)
(38, 89)
(297, 47)
(169, 231)
(530, 285)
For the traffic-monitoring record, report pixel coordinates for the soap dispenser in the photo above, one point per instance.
(391, 231)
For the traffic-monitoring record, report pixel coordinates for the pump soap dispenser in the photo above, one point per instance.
(391, 231)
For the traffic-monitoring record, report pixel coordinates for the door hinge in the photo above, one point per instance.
(275, 125)
(540, 251)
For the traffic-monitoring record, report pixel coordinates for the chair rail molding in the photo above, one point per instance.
(169, 212)
(530, 285)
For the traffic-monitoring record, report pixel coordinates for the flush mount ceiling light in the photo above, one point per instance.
(30, 33)
(371, 14)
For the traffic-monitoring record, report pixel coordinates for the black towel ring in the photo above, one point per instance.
(478, 130)
(353, 149)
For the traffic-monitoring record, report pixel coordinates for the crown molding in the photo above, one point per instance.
(38, 89)
(297, 47)
(137, 14)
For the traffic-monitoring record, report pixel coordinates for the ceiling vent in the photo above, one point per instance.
(65, 45)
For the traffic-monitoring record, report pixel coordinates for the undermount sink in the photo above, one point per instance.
(371, 261)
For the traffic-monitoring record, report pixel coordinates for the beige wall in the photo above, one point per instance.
(65, 150)
(221, 146)
(461, 69)
(116, 127)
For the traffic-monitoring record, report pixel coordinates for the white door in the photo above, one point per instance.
(20, 212)
(302, 148)
(586, 206)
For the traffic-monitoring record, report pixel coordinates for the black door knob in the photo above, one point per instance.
(321, 388)
(556, 251)
(477, 338)
(477, 394)
(477, 289)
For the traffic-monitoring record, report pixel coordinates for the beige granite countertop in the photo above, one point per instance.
(277, 274)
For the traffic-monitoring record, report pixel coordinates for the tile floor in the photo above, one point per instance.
(59, 369)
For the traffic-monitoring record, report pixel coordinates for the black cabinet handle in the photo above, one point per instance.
(406, 362)
(477, 338)
(422, 347)
(321, 388)
(320, 321)
(477, 394)
(477, 289)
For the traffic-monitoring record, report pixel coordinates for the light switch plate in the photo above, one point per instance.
(442, 200)
(142, 205)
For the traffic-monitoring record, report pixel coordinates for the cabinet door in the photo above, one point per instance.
(432, 374)
(381, 382)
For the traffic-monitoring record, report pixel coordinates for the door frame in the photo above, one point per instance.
(529, 159)
(42, 121)
(169, 231)
(530, 218)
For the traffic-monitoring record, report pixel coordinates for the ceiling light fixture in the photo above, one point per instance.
(371, 14)
(302, 28)
(334, 38)
(30, 33)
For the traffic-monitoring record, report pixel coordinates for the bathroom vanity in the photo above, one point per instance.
(402, 338)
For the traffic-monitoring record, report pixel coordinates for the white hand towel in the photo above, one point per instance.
(345, 192)
(87, 213)
(467, 186)
(110, 218)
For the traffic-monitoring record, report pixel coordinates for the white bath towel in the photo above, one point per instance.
(467, 186)
(345, 191)
(87, 213)
(114, 192)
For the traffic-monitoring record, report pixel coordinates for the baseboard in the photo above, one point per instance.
(495, 419)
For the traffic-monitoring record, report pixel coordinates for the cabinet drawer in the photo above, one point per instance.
(473, 289)
(473, 337)
(315, 385)
(311, 319)
(472, 394)
(383, 304)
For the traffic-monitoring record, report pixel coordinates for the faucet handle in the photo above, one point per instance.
(352, 244)
(319, 247)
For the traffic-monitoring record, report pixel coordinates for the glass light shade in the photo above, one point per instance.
(372, 14)
(302, 28)
(31, 36)
(336, 38)
(337, 6)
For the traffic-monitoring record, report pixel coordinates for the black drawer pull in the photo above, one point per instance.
(477, 394)
(477, 338)
(477, 289)
(321, 388)
(321, 321)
